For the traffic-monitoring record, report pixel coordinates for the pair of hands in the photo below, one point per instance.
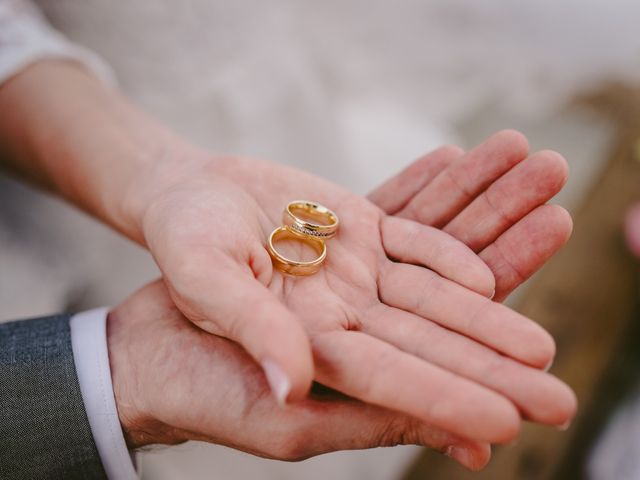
(423, 354)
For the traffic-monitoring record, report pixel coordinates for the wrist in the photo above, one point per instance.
(68, 132)
(139, 426)
(159, 168)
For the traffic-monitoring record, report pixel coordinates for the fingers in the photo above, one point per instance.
(222, 298)
(193, 365)
(464, 197)
(334, 424)
(378, 373)
(411, 242)
(425, 293)
(528, 185)
(394, 194)
(456, 186)
(524, 248)
(538, 395)
(632, 229)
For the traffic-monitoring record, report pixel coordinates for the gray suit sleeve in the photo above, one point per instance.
(44, 429)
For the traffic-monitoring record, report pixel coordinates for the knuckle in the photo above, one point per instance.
(493, 366)
(429, 338)
(484, 306)
(293, 447)
(416, 211)
(493, 198)
(241, 327)
(412, 235)
(430, 287)
(389, 434)
(459, 182)
(398, 431)
(384, 362)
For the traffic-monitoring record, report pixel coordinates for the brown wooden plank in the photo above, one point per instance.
(586, 298)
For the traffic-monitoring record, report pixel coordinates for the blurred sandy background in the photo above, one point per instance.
(351, 90)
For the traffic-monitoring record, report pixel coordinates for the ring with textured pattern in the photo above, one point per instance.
(310, 219)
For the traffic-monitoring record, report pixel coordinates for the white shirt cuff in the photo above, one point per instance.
(91, 358)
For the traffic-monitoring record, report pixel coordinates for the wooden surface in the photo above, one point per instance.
(587, 297)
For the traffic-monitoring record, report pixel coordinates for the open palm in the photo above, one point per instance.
(388, 332)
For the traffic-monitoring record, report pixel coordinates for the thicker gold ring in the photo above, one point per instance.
(296, 267)
(324, 226)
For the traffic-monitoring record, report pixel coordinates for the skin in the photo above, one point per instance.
(632, 229)
(382, 312)
(374, 323)
(160, 362)
(493, 198)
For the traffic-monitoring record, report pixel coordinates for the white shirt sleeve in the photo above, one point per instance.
(91, 358)
(26, 37)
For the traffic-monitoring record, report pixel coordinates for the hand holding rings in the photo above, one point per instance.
(308, 222)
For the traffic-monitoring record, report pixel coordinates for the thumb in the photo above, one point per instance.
(228, 301)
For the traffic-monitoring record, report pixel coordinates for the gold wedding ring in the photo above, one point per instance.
(307, 222)
(296, 267)
(310, 219)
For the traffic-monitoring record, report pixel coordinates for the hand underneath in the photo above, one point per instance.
(174, 382)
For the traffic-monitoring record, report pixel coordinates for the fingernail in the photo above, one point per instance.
(493, 294)
(278, 381)
(460, 454)
(565, 426)
(549, 365)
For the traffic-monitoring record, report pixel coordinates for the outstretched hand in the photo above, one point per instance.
(380, 326)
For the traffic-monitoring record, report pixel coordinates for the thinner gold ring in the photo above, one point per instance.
(296, 267)
(310, 219)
